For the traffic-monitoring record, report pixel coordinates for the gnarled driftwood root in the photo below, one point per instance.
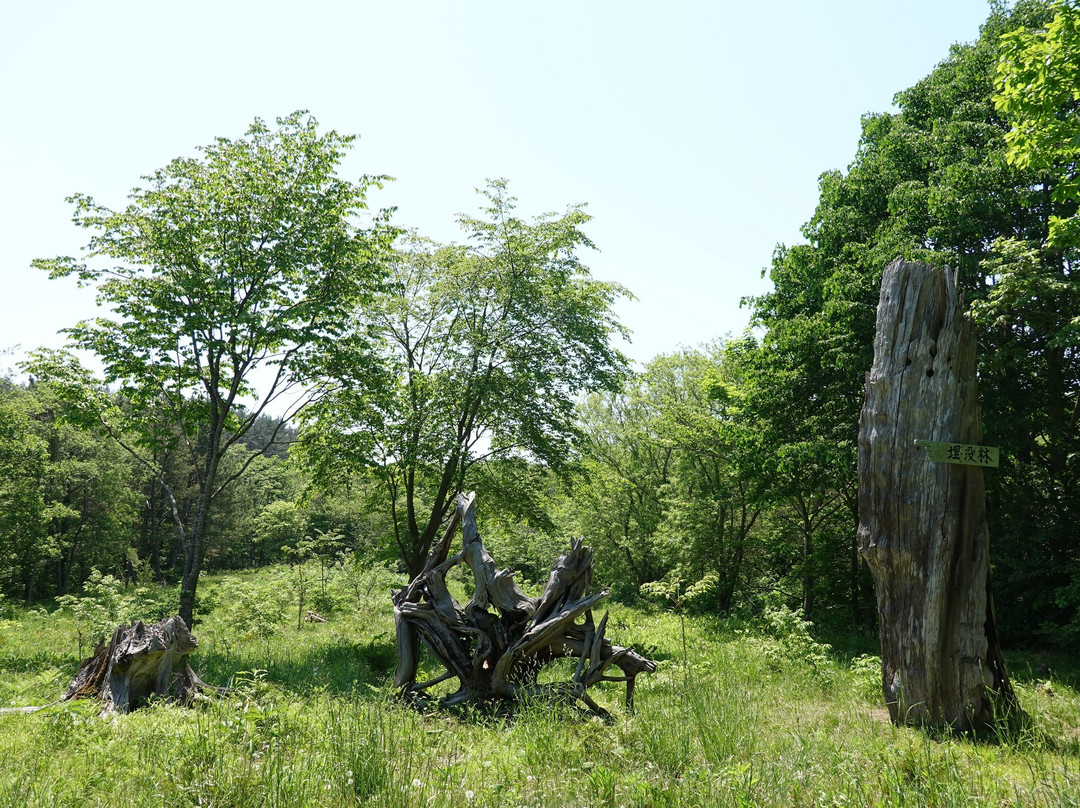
(499, 654)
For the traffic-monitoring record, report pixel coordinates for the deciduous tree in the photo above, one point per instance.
(1038, 92)
(488, 344)
(237, 273)
(932, 182)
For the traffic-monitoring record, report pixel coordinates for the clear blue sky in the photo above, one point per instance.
(694, 131)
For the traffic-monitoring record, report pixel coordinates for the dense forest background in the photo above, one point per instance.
(283, 384)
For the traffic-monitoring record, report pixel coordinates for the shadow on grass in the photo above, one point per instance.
(38, 662)
(1036, 667)
(495, 712)
(341, 667)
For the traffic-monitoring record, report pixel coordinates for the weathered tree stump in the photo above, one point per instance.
(140, 661)
(499, 655)
(922, 527)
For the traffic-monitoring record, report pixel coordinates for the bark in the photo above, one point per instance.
(140, 661)
(497, 644)
(923, 530)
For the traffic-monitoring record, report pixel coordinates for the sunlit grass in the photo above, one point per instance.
(312, 721)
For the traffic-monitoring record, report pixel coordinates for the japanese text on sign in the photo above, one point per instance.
(964, 454)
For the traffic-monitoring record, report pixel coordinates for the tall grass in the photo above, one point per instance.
(751, 719)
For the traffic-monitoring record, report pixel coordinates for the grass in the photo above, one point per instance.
(751, 721)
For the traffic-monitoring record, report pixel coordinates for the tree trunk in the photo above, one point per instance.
(923, 527)
(138, 662)
(196, 533)
(808, 578)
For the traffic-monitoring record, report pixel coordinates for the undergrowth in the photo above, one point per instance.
(754, 715)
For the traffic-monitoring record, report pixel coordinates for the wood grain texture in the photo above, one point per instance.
(138, 662)
(497, 644)
(923, 530)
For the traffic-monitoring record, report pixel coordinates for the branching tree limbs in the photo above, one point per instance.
(245, 262)
(1039, 95)
(944, 179)
(487, 345)
(670, 486)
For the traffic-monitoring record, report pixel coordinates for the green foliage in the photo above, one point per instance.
(245, 258)
(486, 347)
(866, 669)
(256, 513)
(97, 611)
(1038, 93)
(23, 513)
(672, 592)
(257, 608)
(309, 722)
(322, 549)
(5, 622)
(67, 495)
(1034, 300)
(793, 644)
(933, 181)
(276, 526)
(367, 583)
(670, 479)
(618, 504)
(105, 603)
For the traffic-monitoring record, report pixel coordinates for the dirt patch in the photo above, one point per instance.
(880, 715)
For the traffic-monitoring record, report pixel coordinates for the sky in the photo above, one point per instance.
(695, 132)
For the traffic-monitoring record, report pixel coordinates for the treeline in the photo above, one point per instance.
(75, 500)
(721, 478)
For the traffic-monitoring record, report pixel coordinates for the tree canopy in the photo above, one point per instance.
(1038, 92)
(934, 182)
(250, 284)
(249, 259)
(486, 345)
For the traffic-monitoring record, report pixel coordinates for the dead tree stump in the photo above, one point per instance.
(499, 654)
(140, 661)
(922, 527)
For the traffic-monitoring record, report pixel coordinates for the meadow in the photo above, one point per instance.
(757, 713)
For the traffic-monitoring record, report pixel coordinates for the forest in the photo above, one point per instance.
(285, 387)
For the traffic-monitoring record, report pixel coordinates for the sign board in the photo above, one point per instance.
(964, 454)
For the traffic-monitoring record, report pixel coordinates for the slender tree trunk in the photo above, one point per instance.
(193, 558)
(196, 533)
(808, 578)
(853, 583)
(923, 527)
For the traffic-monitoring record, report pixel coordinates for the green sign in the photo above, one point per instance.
(963, 453)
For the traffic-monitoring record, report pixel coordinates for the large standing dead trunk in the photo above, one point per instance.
(922, 526)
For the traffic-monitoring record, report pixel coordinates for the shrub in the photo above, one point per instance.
(793, 643)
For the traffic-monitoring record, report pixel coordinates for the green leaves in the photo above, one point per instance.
(671, 482)
(485, 346)
(246, 259)
(973, 171)
(1038, 93)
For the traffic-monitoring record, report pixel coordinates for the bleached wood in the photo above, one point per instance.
(496, 645)
(138, 662)
(923, 530)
